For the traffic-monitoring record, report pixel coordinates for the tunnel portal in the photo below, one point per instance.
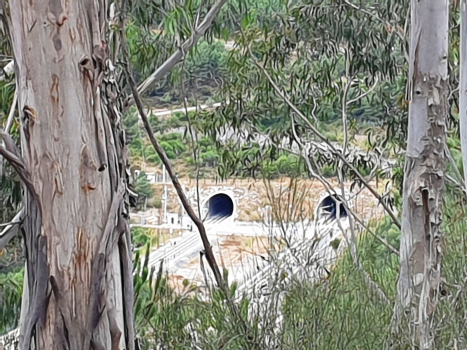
(329, 206)
(220, 206)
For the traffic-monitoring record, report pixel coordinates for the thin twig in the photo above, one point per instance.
(181, 194)
(455, 169)
(10, 230)
(168, 165)
(364, 94)
(352, 241)
(327, 185)
(194, 145)
(344, 103)
(178, 55)
(326, 141)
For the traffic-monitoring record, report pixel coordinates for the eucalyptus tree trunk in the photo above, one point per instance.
(78, 290)
(463, 85)
(420, 252)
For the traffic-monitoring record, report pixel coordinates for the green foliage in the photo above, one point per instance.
(204, 151)
(252, 160)
(202, 71)
(339, 312)
(328, 171)
(454, 146)
(168, 319)
(11, 289)
(139, 237)
(155, 202)
(314, 52)
(143, 186)
(319, 56)
(344, 313)
(10, 187)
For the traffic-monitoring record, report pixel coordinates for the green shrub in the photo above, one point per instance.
(155, 202)
(139, 236)
(11, 290)
(328, 171)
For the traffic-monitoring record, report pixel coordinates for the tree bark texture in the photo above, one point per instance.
(423, 192)
(463, 85)
(78, 290)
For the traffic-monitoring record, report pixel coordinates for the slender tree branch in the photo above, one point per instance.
(194, 145)
(14, 160)
(11, 229)
(346, 205)
(181, 194)
(10, 152)
(352, 240)
(327, 185)
(344, 104)
(329, 188)
(364, 94)
(178, 55)
(338, 154)
(8, 224)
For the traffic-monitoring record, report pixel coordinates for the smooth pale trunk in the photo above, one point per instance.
(423, 192)
(78, 292)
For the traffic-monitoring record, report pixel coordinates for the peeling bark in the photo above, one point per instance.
(74, 168)
(463, 86)
(420, 252)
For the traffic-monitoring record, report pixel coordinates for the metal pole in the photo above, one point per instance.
(166, 196)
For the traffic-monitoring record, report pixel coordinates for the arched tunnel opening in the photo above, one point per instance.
(329, 207)
(220, 206)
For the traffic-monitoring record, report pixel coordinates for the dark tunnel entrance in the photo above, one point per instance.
(329, 206)
(220, 206)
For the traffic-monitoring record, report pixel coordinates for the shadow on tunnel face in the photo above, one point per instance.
(220, 206)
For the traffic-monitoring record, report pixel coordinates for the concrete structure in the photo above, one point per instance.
(331, 217)
(173, 219)
(220, 205)
(151, 177)
(10, 341)
(263, 281)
